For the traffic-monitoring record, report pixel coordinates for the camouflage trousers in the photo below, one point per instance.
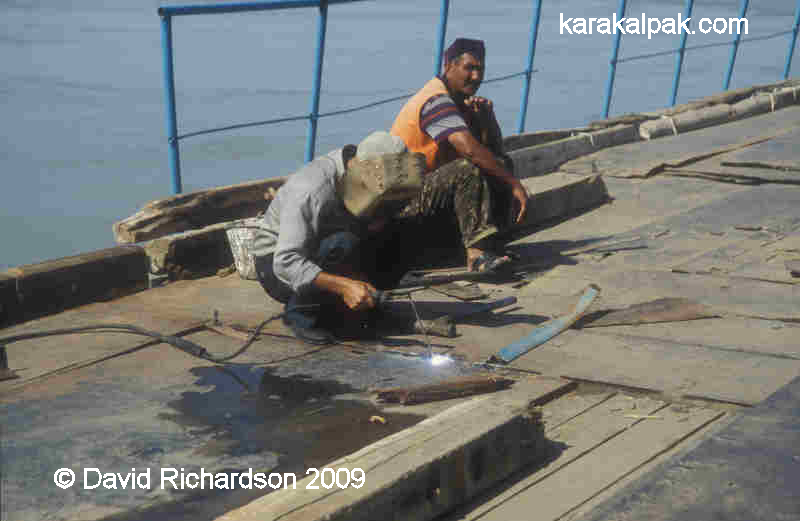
(474, 206)
(457, 208)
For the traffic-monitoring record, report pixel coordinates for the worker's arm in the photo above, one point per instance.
(468, 147)
(356, 294)
(297, 243)
(488, 129)
(293, 265)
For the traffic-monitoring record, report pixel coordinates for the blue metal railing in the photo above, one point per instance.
(168, 12)
(173, 138)
(682, 49)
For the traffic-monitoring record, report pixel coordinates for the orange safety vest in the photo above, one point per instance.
(407, 127)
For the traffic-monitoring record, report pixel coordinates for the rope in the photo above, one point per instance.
(327, 114)
(704, 46)
(242, 125)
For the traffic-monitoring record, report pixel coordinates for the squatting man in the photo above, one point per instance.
(357, 219)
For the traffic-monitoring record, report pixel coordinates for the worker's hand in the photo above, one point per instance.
(520, 195)
(486, 130)
(479, 104)
(358, 295)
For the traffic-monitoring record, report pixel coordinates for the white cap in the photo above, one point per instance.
(379, 143)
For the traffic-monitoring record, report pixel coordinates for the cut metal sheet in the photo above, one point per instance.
(660, 310)
(461, 290)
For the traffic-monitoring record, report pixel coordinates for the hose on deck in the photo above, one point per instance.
(187, 346)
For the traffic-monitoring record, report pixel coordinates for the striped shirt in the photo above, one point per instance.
(440, 117)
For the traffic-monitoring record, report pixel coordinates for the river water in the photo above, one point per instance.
(83, 106)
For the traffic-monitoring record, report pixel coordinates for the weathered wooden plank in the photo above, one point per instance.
(531, 139)
(747, 258)
(747, 470)
(573, 486)
(625, 285)
(643, 159)
(570, 406)
(773, 161)
(558, 195)
(536, 160)
(687, 121)
(735, 375)
(427, 469)
(67, 282)
(202, 252)
(173, 309)
(752, 335)
(576, 438)
(195, 210)
(729, 97)
(200, 209)
(191, 254)
(40, 358)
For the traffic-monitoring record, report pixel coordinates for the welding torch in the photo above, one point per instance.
(444, 325)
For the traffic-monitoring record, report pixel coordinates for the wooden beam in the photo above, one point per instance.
(60, 284)
(195, 210)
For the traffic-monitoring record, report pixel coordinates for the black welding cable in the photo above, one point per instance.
(183, 344)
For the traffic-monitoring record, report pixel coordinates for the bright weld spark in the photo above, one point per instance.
(440, 360)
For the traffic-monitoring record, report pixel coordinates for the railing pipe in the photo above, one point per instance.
(526, 88)
(311, 139)
(437, 66)
(612, 65)
(171, 112)
(676, 79)
(166, 13)
(735, 47)
(238, 7)
(792, 41)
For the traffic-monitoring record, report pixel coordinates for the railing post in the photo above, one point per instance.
(612, 66)
(792, 41)
(437, 66)
(311, 139)
(735, 48)
(523, 107)
(169, 90)
(676, 79)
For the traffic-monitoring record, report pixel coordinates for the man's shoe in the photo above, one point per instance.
(302, 329)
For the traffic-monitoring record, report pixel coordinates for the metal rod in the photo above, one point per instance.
(792, 41)
(676, 79)
(526, 88)
(171, 113)
(437, 66)
(182, 10)
(612, 65)
(735, 47)
(311, 139)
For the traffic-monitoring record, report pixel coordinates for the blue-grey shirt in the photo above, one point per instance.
(305, 210)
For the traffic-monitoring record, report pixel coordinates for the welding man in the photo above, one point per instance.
(320, 248)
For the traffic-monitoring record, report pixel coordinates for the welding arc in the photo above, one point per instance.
(187, 346)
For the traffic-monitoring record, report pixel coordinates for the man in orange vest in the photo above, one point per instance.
(468, 173)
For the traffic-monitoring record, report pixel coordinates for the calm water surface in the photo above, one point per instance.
(83, 114)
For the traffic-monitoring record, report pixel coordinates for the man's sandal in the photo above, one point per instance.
(488, 262)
